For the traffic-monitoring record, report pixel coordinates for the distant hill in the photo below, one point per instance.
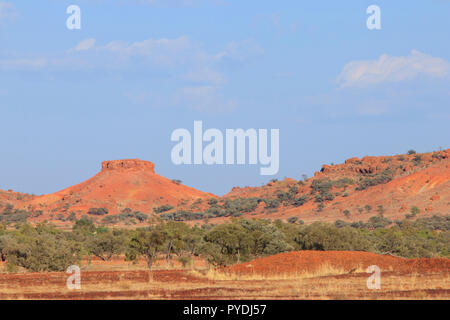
(390, 186)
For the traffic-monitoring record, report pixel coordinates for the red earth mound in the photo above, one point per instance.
(310, 261)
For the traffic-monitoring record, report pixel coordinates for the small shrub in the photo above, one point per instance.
(212, 201)
(375, 179)
(297, 202)
(163, 208)
(98, 211)
(417, 159)
(292, 219)
(272, 203)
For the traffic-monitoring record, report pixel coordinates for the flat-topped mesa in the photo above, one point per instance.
(128, 164)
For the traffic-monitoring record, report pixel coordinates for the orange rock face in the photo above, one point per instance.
(130, 164)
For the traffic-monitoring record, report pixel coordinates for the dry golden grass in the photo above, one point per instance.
(323, 271)
(170, 282)
(351, 287)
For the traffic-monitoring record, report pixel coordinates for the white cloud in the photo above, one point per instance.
(392, 69)
(240, 51)
(85, 45)
(194, 78)
(150, 47)
(159, 52)
(178, 56)
(23, 64)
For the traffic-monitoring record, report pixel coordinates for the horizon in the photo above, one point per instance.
(138, 70)
(155, 170)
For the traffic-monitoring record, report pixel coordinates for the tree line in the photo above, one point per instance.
(45, 248)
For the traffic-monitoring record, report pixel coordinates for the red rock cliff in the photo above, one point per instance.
(128, 164)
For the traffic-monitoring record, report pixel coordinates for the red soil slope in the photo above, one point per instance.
(310, 261)
(416, 180)
(120, 184)
(424, 184)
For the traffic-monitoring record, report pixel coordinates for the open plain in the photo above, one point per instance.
(295, 275)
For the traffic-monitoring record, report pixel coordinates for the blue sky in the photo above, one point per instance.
(139, 69)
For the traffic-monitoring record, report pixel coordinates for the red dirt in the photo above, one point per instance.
(310, 261)
(182, 284)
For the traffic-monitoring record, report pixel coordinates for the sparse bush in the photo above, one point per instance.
(342, 183)
(163, 208)
(417, 159)
(212, 201)
(375, 179)
(98, 211)
(297, 202)
(380, 210)
(438, 156)
(376, 222)
(321, 186)
(183, 216)
(72, 216)
(236, 207)
(292, 219)
(272, 203)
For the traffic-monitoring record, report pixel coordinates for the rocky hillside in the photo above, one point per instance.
(394, 187)
(122, 186)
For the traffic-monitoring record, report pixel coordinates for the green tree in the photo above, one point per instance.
(106, 244)
(43, 248)
(146, 243)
